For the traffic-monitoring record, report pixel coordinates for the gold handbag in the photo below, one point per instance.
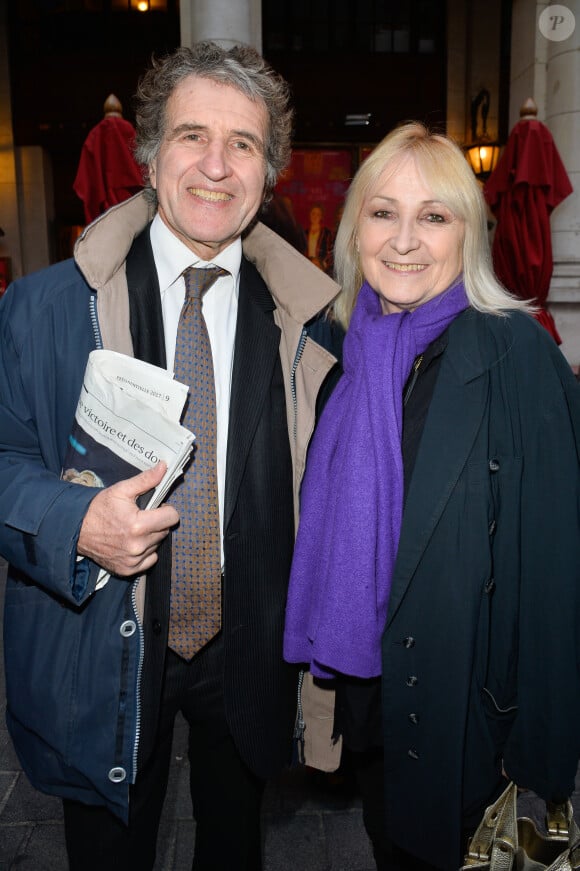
(503, 842)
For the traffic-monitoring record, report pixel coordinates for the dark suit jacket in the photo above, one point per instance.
(259, 688)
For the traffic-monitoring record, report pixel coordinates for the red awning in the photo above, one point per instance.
(528, 183)
(107, 173)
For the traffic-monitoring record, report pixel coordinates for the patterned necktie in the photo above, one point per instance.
(195, 615)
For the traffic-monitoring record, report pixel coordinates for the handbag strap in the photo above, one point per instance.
(496, 838)
(560, 822)
(495, 843)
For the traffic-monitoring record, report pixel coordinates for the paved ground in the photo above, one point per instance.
(310, 824)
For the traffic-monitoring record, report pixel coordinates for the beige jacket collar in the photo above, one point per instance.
(298, 287)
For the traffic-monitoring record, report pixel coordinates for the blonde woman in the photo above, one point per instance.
(437, 566)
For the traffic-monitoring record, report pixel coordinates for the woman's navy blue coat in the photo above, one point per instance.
(481, 653)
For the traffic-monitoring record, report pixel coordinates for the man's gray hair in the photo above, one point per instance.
(239, 67)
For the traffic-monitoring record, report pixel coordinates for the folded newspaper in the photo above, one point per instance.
(127, 420)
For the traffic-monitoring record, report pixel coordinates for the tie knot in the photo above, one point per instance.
(198, 281)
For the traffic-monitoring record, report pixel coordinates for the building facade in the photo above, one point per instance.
(377, 61)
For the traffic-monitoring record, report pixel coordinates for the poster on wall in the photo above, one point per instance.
(364, 152)
(313, 189)
(5, 273)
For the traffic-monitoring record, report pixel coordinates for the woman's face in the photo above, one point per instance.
(410, 244)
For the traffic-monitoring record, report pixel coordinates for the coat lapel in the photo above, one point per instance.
(256, 349)
(146, 318)
(452, 424)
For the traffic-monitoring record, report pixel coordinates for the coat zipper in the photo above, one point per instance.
(413, 378)
(99, 346)
(299, 725)
(95, 322)
(139, 674)
(297, 357)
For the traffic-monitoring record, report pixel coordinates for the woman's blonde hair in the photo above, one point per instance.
(446, 171)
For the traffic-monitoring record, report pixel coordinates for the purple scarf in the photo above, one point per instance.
(352, 494)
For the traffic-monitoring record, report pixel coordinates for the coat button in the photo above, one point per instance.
(493, 466)
(117, 774)
(409, 641)
(412, 680)
(412, 753)
(127, 628)
(413, 718)
(156, 627)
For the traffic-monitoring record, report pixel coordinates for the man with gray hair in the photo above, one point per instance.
(184, 277)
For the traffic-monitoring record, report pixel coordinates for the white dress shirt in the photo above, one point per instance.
(220, 310)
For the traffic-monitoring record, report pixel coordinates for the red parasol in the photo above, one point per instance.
(528, 183)
(107, 173)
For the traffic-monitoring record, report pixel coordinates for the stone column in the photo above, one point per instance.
(528, 59)
(26, 201)
(227, 22)
(563, 119)
(473, 61)
(457, 86)
(548, 70)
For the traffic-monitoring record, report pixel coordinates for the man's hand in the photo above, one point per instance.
(118, 535)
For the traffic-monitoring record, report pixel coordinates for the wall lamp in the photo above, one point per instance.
(139, 5)
(483, 158)
(149, 5)
(482, 154)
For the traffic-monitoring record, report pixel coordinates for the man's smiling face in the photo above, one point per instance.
(210, 172)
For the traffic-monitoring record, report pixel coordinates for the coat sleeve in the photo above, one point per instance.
(543, 748)
(40, 515)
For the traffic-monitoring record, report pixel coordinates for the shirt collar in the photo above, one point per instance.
(172, 256)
